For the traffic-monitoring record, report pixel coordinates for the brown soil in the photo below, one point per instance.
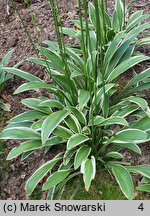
(12, 35)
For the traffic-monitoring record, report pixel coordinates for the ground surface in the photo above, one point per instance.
(14, 174)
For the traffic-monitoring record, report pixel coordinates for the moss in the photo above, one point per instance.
(102, 188)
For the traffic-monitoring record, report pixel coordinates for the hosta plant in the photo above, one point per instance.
(90, 114)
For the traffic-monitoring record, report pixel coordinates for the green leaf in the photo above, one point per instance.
(96, 120)
(124, 180)
(71, 32)
(53, 57)
(139, 101)
(6, 58)
(112, 48)
(123, 53)
(76, 140)
(107, 20)
(63, 132)
(19, 124)
(73, 123)
(55, 179)
(143, 41)
(92, 38)
(136, 22)
(76, 74)
(114, 120)
(115, 155)
(88, 168)
(145, 180)
(125, 111)
(52, 103)
(43, 62)
(115, 22)
(93, 160)
(142, 124)
(34, 103)
(53, 45)
(78, 25)
(132, 146)
(120, 106)
(75, 70)
(68, 156)
(25, 155)
(145, 187)
(130, 135)
(37, 125)
(144, 86)
(62, 81)
(20, 133)
(75, 57)
(32, 86)
(139, 113)
(141, 169)
(99, 120)
(138, 78)
(124, 66)
(82, 153)
(4, 106)
(92, 14)
(105, 105)
(22, 74)
(134, 16)
(39, 174)
(53, 141)
(51, 122)
(27, 116)
(83, 98)
(100, 93)
(120, 13)
(127, 53)
(80, 116)
(24, 147)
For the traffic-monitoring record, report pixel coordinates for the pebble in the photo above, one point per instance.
(23, 176)
(12, 167)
